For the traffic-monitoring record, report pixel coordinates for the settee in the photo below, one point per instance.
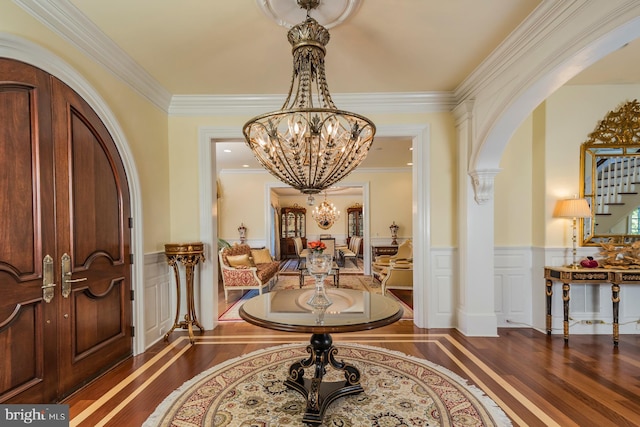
(244, 268)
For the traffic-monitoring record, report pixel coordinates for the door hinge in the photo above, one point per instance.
(132, 294)
(131, 259)
(133, 331)
(130, 222)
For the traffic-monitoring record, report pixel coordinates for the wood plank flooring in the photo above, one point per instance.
(536, 379)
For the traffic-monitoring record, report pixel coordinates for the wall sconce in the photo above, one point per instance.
(242, 230)
(394, 233)
(573, 209)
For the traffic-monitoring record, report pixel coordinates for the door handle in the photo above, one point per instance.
(47, 279)
(66, 276)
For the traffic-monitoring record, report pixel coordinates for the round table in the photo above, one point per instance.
(351, 311)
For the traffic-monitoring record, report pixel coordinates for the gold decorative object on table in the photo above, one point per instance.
(620, 256)
(189, 255)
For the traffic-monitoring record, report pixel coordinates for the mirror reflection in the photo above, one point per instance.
(610, 178)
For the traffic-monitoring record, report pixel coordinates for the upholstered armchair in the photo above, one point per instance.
(301, 251)
(399, 275)
(382, 262)
(245, 268)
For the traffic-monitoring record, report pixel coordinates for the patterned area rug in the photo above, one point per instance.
(364, 283)
(399, 391)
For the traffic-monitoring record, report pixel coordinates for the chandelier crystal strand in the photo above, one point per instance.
(309, 144)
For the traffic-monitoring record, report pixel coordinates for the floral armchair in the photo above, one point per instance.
(245, 268)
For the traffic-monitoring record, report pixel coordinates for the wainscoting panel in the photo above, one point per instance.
(444, 294)
(513, 279)
(158, 298)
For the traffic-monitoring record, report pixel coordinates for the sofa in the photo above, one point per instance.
(244, 268)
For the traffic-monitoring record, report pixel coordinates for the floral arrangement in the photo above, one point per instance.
(316, 246)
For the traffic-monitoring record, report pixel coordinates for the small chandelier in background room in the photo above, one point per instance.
(309, 144)
(325, 214)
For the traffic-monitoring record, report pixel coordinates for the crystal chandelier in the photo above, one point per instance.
(309, 144)
(325, 214)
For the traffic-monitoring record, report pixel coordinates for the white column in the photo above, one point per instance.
(476, 305)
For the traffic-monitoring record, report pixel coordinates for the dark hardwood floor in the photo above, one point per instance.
(536, 379)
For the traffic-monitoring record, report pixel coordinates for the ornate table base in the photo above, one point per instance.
(318, 394)
(189, 254)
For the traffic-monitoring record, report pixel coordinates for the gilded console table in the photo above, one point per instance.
(189, 255)
(567, 276)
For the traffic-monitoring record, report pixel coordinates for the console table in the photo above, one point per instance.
(567, 276)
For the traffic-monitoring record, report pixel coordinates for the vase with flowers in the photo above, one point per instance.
(319, 264)
(316, 246)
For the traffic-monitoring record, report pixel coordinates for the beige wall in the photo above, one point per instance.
(243, 200)
(541, 164)
(183, 158)
(144, 125)
(513, 218)
(572, 113)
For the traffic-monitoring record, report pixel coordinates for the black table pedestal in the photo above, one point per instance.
(320, 394)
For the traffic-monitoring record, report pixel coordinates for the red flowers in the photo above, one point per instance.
(316, 246)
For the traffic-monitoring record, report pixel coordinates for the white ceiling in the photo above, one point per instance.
(230, 47)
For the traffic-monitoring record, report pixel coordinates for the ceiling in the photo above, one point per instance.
(218, 47)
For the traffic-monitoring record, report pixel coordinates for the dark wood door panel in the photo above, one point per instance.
(23, 363)
(93, 209)
(89, 308)
(63, 190)
(96, 196)
(28, 325)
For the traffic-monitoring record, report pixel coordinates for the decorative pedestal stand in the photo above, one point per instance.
(319, 393)
(187, 254)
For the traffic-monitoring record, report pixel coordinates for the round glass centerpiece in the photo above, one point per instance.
(319, 264)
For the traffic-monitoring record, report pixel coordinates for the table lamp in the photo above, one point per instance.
(573, 209)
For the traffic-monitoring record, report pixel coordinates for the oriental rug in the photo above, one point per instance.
(364, 283)
(399, 390)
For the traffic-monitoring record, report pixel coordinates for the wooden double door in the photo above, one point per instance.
(65, 280)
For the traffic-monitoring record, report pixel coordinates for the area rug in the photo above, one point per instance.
(364, 283)
(399, 390)
(289, 267)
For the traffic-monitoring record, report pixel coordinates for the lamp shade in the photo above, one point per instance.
(572, 208)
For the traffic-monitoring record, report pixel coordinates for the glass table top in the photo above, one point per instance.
(351, 311)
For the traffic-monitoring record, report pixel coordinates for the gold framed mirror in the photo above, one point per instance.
(610, 178)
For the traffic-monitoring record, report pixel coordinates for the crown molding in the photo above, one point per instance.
(364, 103)
(539, 28)
(65, 19)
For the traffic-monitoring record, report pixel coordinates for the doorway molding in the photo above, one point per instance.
(424, 305)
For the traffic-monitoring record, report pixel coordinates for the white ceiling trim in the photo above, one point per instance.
(72, 25)
(363, 103)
